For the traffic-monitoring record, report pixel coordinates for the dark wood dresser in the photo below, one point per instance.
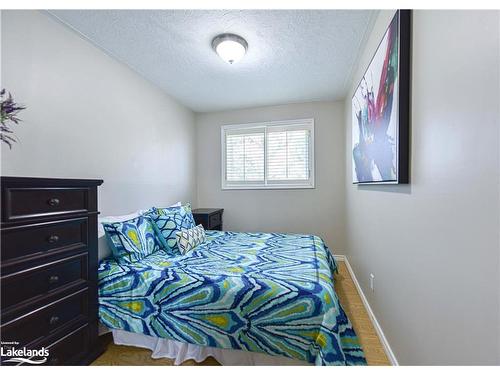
(49, 268)
(210, 218)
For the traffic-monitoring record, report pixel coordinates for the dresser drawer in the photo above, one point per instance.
(210, 218)
(214, 220)
(34, 203)
(70, 348)
(34, 283)
(46, 320)
(29, 241)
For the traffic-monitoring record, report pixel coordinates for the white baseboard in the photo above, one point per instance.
(340, 258)
(376, 325)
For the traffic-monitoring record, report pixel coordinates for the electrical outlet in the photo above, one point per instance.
(372, 282)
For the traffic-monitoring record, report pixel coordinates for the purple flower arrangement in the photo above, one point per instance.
(9, 111)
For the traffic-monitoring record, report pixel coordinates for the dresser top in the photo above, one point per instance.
(43, 181)
(206, 210)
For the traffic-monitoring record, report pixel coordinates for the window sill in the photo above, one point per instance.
(268, 187)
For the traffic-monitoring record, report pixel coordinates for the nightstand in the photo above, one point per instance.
(210, 218)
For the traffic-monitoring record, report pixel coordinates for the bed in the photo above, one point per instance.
(265, 293)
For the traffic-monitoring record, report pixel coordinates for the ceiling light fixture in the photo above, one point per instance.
(230, 47)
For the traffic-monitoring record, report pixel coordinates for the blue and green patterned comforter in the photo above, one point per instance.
(261, 292)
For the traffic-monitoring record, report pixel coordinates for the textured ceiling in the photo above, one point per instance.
(293, 55)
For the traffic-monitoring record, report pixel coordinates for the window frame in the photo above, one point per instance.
(307, 123)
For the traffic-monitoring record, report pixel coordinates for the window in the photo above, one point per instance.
(268, 155)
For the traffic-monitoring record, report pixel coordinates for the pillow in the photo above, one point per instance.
(132, 240)
(149, 210)
(104, 250)
(103, 244)
(188, 239)
(170, 220)
(113, 219)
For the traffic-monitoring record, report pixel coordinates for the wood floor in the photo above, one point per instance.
(349, 298)
(355, 310)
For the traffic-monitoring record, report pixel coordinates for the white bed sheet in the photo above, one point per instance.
(180, 352)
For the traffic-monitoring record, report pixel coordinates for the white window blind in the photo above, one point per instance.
(245, 157)
(268, 155)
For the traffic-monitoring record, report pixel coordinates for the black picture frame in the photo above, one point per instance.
(402, 143)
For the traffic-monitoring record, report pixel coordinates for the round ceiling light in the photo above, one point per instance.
(230, 47)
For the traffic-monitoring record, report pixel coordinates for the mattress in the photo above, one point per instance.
(268, 293)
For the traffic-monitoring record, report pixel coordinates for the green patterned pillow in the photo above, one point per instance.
(131, 240)
(168, 221)
(188, 239)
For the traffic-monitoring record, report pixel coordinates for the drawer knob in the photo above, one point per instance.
(54, 320)
(53, 202)
(53, 239)
(53, 361)
(53, 279)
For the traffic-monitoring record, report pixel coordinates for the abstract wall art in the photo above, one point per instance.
(380, 110)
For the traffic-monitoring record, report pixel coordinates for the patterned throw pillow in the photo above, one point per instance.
(168, 221)
(131, 240)
(188, 239)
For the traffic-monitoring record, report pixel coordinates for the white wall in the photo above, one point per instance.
(319, 210)
(90, 116)
(433, 245)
